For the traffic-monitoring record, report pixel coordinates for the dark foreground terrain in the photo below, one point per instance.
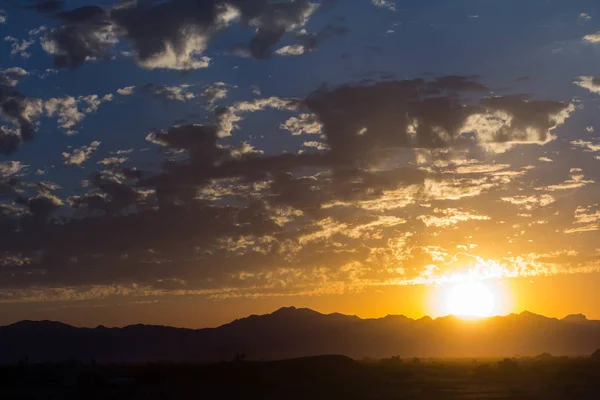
(324, 377)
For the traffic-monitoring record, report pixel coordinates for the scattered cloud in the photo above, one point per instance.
(80, 155)
(389, 4)
(591, 83)
(126, 91)
(176, 93)
(592, 37)
(68, 112)
(10, 77)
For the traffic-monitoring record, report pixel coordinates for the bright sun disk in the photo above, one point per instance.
(471, 299)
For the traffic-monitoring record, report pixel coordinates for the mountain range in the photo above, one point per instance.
(296, 332)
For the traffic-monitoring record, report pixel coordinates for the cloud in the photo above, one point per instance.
(67, 109)
(448, 217)
(175, 93)
(592, 38)
(303, 124)
(215, 92)
(229, 117)
(3, 17)
(290, 50)
(387, 153)
(172, 34)
(575, 182)
(389, 4)
(309, 41)
(545, 159)
(585, 16)
(83, 34)
(126, 91)
(10, 76)
(80, 155)
(530, 202)
(591, 83)
(21, 113)
(588, 146)
(587, 219)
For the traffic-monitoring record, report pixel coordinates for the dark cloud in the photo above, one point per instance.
(218, 210)
(172, 34)
(83, 33)
(21, 112)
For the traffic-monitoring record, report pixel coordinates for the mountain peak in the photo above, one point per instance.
(295, 311)
(575, 318)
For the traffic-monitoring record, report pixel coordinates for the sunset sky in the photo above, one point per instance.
(188, 162)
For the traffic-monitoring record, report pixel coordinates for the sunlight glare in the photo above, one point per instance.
(470, 299)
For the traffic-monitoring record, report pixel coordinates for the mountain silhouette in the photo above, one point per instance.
(298, 332)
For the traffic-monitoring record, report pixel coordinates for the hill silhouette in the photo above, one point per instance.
(299, 332)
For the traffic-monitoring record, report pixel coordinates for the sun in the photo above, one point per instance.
(472, 299)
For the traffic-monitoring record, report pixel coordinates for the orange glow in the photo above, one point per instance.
(471, 298)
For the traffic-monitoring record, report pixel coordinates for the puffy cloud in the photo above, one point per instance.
(592, 38)
(591, 83)
(171, 34)
(216, 91)
(389, 4)
(303, 124)
(10, 76)
(80, 155)
(290, 50)
(2, 17)
(585, 16)
(545, 159)
(112, 161)
(358, 120)
(83, 34)
(22, 113)
(229, 117)
(67, 109)
(126, 91)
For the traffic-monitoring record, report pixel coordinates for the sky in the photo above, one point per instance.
(188, 162)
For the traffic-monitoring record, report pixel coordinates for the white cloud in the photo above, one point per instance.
(307, 124)
(590, 83)
(293, 50)
(389, 4)
(316, 145)
(592, 38)
(10, 76)
(216, 91)
(126, 91)
(575, 182)
(80, 155)
(586, 145)
(229, 118)
(67, 109)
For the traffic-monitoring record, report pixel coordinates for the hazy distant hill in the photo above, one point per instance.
(292, 332)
